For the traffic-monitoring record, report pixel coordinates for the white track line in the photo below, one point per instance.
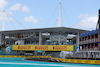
(40, 64)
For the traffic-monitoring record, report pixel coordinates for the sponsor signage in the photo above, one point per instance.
(24, 47)
(97, 62)
(79, 61)
(87, 61)
(44, 47)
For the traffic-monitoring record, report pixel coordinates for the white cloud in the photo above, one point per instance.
(16, 6)
(3, 4)
(25, 9)
(9, 12)
(5, 17)
(30, 19)
(87, 21)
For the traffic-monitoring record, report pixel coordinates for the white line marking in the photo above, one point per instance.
(40, 64)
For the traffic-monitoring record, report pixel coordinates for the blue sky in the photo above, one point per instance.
(30, 14)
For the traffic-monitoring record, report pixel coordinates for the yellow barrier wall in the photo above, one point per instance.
(44, 47)
(62, 60)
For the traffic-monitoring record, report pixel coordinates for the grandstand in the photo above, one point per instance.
(42, 36)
